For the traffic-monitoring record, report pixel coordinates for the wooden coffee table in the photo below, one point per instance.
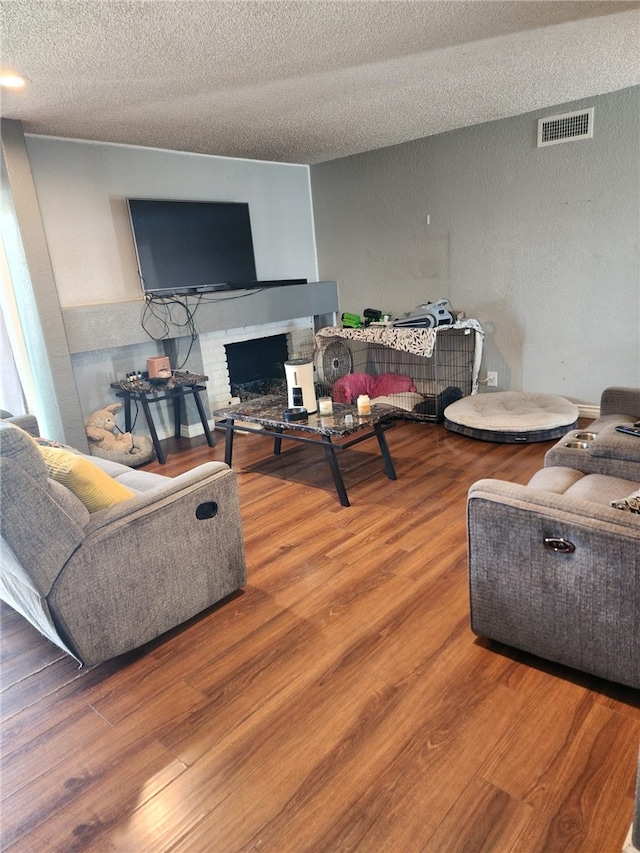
(339, 431)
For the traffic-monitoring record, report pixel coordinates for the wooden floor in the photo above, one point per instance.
(339, 703)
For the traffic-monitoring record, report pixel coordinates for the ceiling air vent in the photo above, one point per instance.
(565, 128)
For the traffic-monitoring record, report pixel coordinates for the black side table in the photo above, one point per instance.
(176, 394)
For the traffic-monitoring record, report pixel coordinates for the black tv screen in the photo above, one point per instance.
(187, 246)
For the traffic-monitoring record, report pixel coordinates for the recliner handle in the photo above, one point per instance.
(559, 544)
(208, 509)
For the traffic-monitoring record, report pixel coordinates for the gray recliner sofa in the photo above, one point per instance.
(608, 451)
(554, 568)
(103, 583)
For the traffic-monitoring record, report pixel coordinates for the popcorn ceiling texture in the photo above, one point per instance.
(308, 81)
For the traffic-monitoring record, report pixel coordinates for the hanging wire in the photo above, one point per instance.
(175, 311)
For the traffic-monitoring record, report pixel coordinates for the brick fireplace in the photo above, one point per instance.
(300, 338)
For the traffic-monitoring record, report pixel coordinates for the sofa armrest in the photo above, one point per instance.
(557, 506)
(151, 563)
(29, 423)
(579, 605)
(620, 401)
(155, 498)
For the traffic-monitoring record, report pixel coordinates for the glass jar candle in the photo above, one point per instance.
(364, 404)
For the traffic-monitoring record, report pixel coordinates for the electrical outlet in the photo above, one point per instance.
(492, 378)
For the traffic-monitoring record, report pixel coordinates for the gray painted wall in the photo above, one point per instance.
(541, 245)
(82, 189)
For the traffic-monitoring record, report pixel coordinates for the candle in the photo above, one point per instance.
(326, 405)
(364, 404)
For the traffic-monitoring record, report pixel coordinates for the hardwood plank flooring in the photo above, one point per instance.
(340, 702)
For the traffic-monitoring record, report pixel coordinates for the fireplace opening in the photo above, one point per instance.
(256, 367)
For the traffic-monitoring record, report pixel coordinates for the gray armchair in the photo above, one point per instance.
(100, 584)
(554, 568)
(578, 605)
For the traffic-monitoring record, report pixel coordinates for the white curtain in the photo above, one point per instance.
(17, 389)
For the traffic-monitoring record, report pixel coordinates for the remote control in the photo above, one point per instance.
(629, 430)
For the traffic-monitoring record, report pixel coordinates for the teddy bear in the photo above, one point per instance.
(101, 430)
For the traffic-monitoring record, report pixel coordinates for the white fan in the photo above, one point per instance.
(332, 360)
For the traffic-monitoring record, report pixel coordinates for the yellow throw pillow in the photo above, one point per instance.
(95, 489)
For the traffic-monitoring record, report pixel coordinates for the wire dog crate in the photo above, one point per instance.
(418, 371)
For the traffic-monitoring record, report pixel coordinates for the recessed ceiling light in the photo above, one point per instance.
(12, 81)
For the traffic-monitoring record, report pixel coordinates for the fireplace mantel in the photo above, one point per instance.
(91, 327)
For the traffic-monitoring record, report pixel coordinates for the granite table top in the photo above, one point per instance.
(269, 412)
(179, 379)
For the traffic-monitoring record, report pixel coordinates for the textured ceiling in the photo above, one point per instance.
(303, 81)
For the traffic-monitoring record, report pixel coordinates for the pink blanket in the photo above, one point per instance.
(347, 388)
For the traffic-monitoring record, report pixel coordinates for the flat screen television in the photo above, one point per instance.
(192, 246)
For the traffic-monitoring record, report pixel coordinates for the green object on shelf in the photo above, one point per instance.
(351, 321)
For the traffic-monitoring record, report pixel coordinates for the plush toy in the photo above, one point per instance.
(101, 431)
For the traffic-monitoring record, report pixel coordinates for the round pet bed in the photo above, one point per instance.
(511, 417)
(141, 452)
